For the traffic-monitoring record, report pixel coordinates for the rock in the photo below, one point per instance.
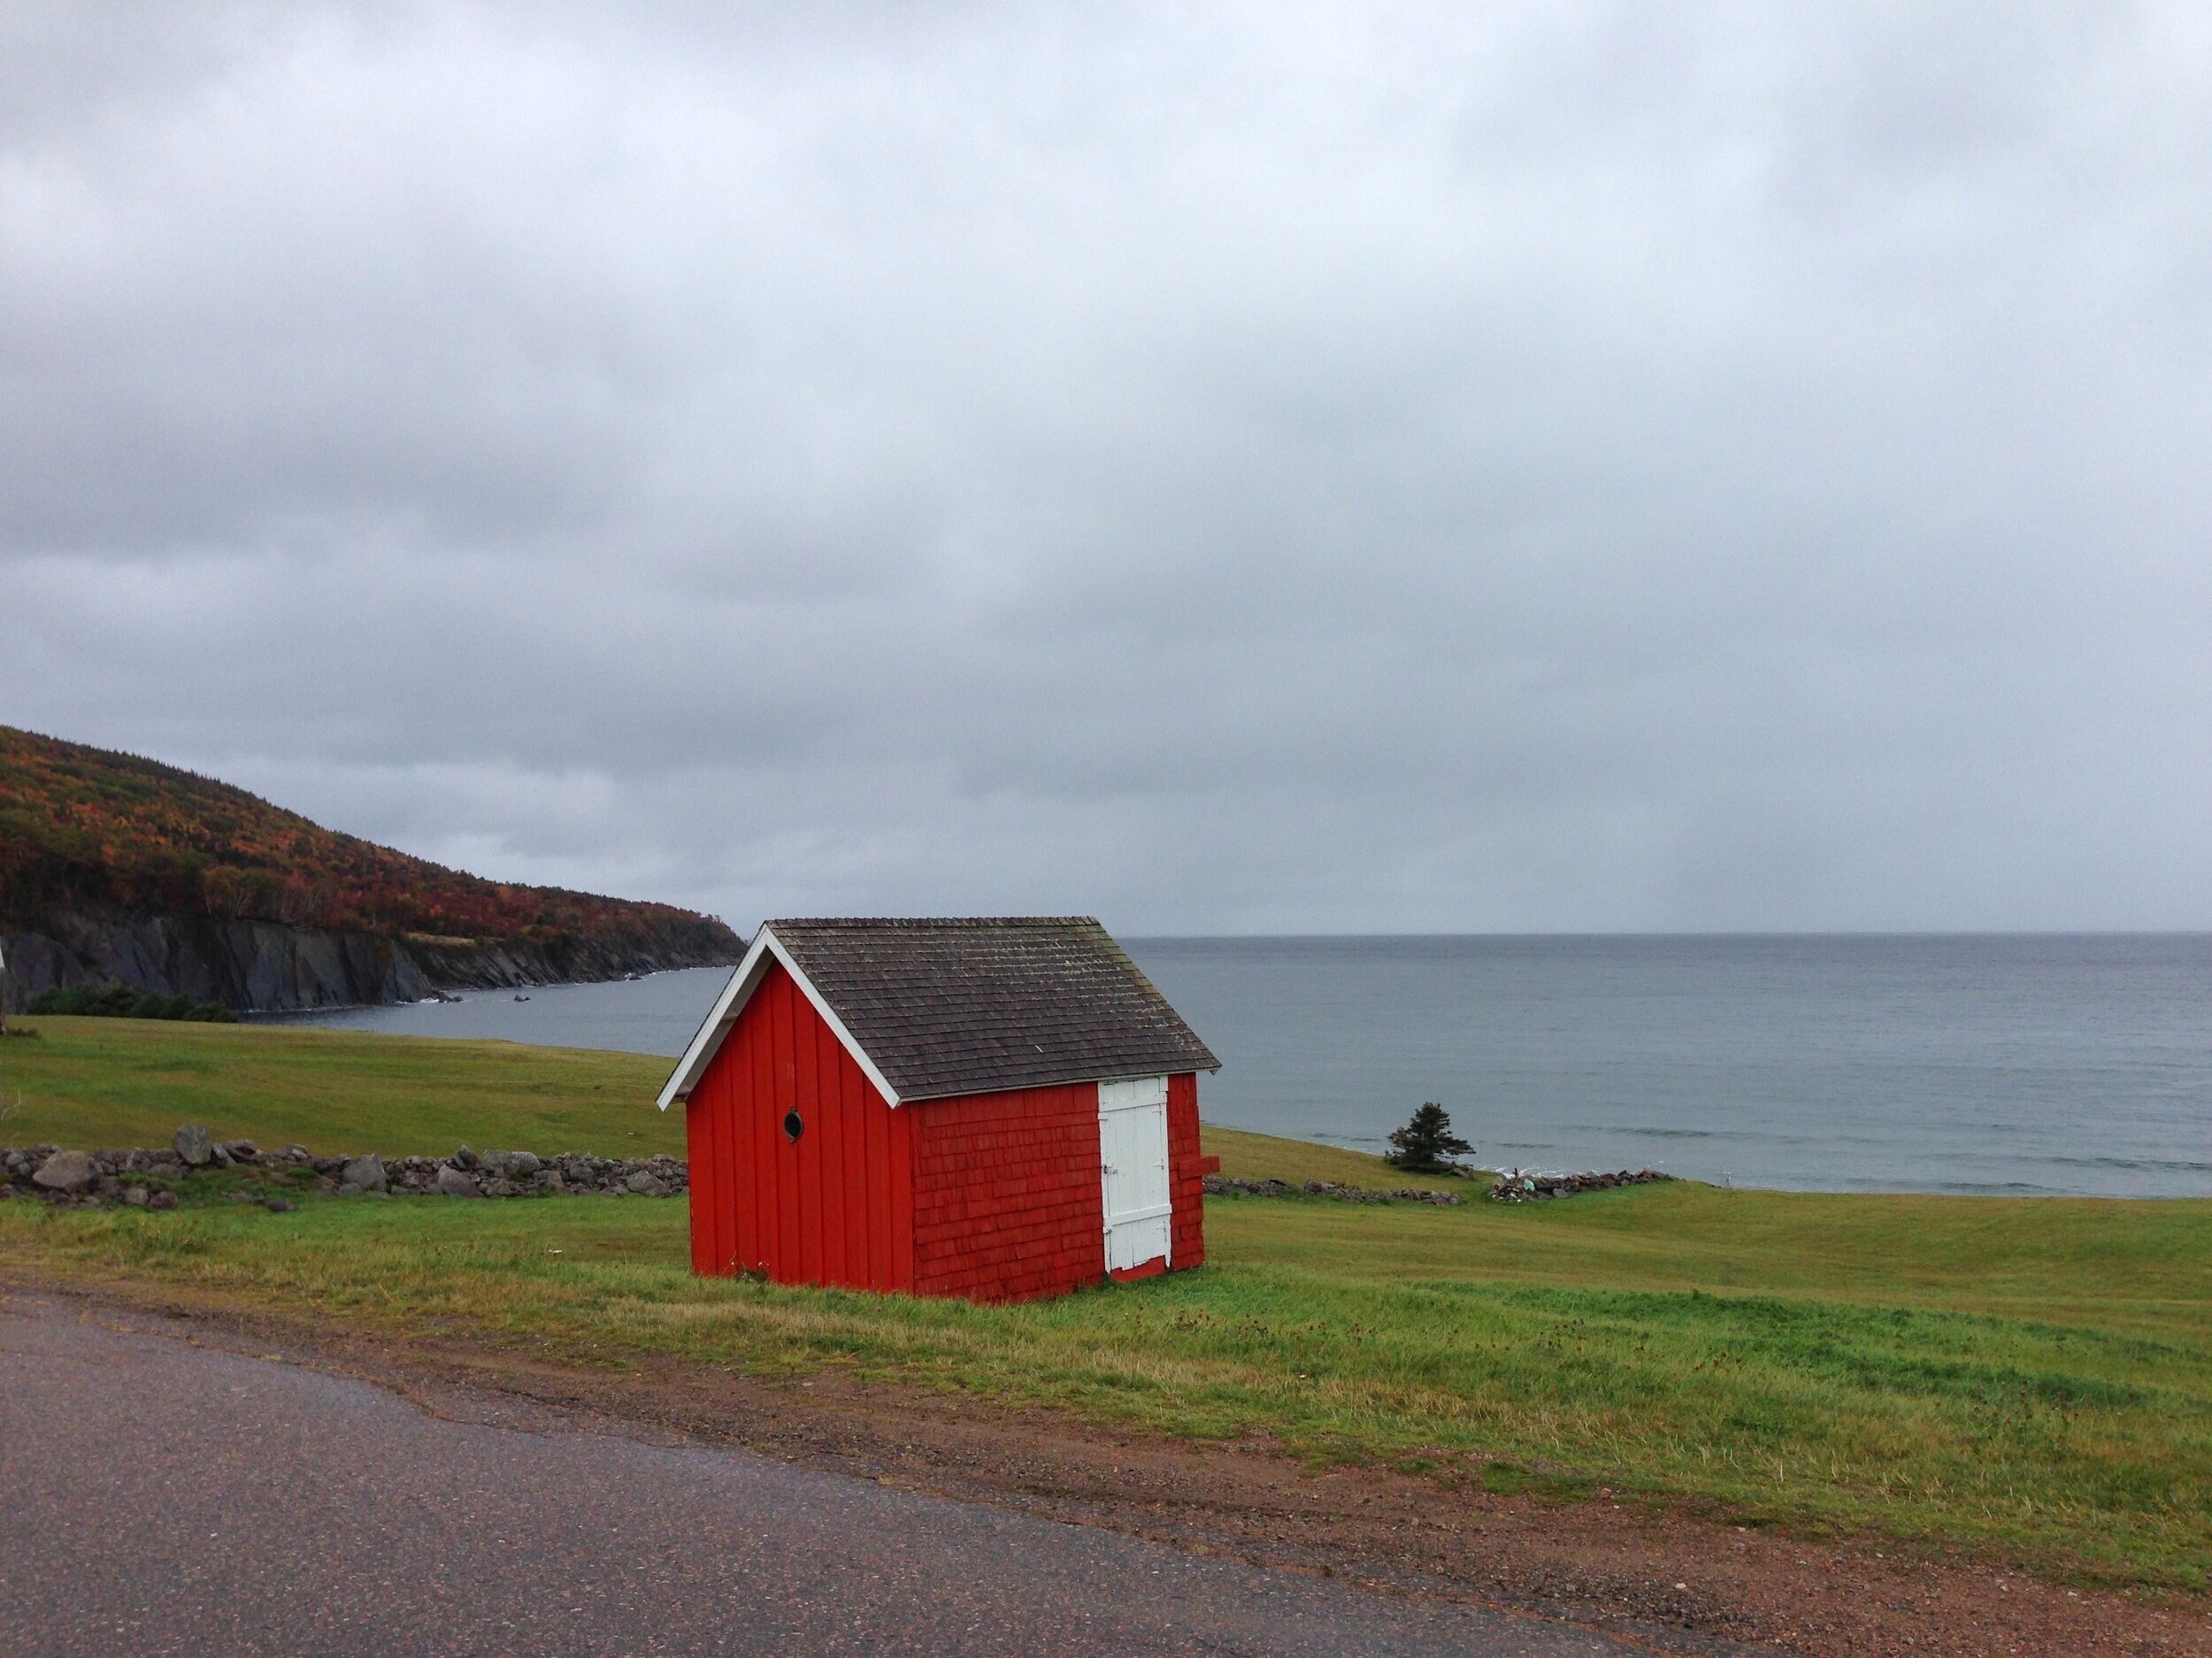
(68, 1171)
(1515, 1188)
(456, 1183)
(1219, 1185)
(116, 1175)
(277, 1205)
(465, 1158)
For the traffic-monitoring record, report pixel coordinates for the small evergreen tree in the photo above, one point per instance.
(1426, 1144)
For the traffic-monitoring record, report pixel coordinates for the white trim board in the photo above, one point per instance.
(723, 1016)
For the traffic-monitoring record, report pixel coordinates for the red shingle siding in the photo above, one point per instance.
(1186, 1172)
(831, 1208)
(1007, 1204)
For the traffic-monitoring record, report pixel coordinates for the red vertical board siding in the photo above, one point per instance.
(728, 1148)
(1186, 1179)
(778, 1253)
(795, 1202)
(733, 1184)
(852, 1161)
(828, 1134)
(802, 1213)
(758, 1116)
(722, 1112)
(816, 1202)
(706, 1120)
(744, 1179)
(776, 993)
(707, 1127)
(1006, 1200)
(705, 1216)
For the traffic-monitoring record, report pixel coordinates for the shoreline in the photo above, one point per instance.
(350, 1022)
(304, 1016)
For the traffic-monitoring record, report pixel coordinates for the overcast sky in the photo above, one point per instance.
(1224, 469)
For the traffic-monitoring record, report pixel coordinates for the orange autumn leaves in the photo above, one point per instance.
(84, 828)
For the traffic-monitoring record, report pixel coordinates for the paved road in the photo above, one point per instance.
(160, 1498)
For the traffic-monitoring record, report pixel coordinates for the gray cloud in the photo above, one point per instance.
(1256, 468)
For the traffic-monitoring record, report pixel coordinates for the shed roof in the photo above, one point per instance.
(933, 1008)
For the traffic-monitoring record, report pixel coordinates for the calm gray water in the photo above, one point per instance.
(2024, 1064)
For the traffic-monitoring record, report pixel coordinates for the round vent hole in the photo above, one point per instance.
(793, 1125)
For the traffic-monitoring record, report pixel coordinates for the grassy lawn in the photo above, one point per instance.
(129, 1082)
(1251, 1156)
(2034, 1376)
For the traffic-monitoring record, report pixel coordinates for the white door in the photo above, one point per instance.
(1132, 1155)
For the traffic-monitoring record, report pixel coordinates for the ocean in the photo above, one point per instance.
(2010, 1064)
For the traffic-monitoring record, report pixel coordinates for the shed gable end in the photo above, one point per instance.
(829, 1204)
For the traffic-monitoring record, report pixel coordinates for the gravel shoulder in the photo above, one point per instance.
(1617, 1574)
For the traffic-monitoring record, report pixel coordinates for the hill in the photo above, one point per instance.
(115, 868)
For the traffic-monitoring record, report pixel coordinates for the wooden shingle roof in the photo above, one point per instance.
(970, 1005)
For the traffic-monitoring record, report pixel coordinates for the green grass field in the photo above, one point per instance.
(2032, 1377)
(130, 1082)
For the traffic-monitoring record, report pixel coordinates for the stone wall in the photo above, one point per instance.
(1223, 1185)
(1514, 1187)
(164, 1179)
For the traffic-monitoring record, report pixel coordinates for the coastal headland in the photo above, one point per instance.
(116, 870)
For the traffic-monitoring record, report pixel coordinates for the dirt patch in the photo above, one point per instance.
(1671, 1580)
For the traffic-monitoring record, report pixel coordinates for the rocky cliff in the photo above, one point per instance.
(271, 966)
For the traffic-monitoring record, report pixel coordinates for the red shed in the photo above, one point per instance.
(1000, 1109)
